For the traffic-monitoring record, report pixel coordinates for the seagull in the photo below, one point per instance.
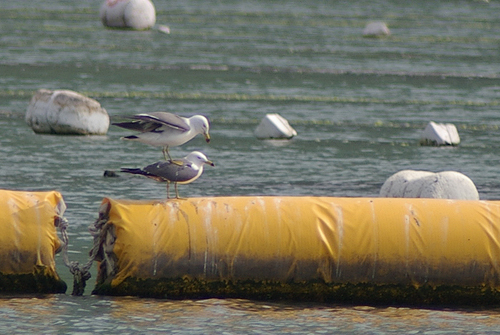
(165, 129)
(179, 171)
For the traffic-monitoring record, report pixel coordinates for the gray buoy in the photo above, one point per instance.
(438, 134)
(274, 126)
(135, 14)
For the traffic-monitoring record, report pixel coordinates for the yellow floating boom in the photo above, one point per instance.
(373, 250)
(29, 242)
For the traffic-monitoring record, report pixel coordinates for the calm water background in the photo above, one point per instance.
(357, 104)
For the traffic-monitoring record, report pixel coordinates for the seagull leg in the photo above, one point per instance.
(176, 191)
(168, 190)
(166, 153)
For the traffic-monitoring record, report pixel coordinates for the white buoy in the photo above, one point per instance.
(66, 112)
(425, 184)
(438, 134)
(376, 29)
(163, 29)
(135, 14)
(274, 126)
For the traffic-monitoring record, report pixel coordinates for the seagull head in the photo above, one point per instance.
(200, 125)
(198, 159)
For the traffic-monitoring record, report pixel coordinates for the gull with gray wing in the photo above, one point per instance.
(179, 171)
(165, 129)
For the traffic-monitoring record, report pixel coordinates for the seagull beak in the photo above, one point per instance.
(210, 163)
(207, 137)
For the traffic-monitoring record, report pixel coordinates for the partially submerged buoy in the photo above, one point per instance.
(110, 174)
(439, 134)
(135, 14)
(376, 29)
(163, 29)
(425, 184)
(66, 112)
(274, 126)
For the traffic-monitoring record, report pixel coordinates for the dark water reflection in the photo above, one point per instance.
(82, 315)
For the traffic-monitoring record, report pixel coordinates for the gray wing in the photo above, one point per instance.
(171, 171)
(164, 118)
(152, 121)
(141, 172)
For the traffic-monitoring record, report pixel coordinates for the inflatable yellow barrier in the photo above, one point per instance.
(28, 241)
(373, 250)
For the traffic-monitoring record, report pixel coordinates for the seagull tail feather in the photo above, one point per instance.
(133, 171)
(132, 125)
(130, 137)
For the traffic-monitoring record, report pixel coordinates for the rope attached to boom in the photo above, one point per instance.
(81, 273)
